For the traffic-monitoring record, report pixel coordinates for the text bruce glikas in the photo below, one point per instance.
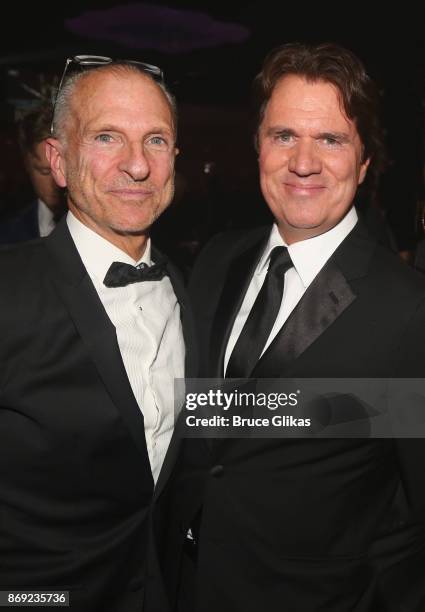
(216, 398)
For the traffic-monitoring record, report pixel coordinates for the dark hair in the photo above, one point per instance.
(334, 64)
(34, 127)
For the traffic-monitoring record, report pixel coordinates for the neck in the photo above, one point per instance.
(133, 244)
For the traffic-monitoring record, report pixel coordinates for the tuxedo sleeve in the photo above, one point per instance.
(401, 549)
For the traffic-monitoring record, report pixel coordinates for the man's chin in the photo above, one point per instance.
(140, 230)
(303, 225)
(136, 225)
(296, 232)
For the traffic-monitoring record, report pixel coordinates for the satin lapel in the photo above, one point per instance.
(234, 290)
(186, 315)
(324, 301)
(95, 328)
(191, 360)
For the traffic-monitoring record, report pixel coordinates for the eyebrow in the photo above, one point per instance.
(342, 136)
(278, 129)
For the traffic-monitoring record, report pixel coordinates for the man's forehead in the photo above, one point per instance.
(297, 96)
(99, 93)
(95, 84)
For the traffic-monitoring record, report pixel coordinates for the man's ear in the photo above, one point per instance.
(54, 154)
(363, 169)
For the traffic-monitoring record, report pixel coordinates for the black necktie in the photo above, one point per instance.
(123, 274)
(260, 321)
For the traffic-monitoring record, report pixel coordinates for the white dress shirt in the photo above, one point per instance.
(146, 317)
(308, 258)
(46, 224)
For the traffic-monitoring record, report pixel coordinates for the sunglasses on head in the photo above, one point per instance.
(85, 62)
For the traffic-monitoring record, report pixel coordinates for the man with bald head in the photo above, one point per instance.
(93, 335)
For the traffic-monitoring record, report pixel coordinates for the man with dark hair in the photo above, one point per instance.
(308, 524)
(40, 216)
(92, 333)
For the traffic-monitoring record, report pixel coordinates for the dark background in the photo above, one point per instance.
(211, 77)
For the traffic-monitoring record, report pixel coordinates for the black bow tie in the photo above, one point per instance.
(122, 274)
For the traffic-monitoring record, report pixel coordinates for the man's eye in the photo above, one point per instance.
(158, 141)
(283, 137)
(330, 140)
(104, 138)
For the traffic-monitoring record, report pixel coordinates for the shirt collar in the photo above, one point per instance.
(96, 252)
(309, 256)
(45, 218)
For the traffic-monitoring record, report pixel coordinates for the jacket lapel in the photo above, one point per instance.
(186, 316)
(94, 327)
(191, 360)
(325, 300)
(234, 290)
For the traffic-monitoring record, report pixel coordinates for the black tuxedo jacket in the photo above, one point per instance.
(332, 525)
(76, 488)
(21, 228)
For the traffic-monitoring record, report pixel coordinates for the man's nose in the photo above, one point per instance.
(305, 159)
(134, 162)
